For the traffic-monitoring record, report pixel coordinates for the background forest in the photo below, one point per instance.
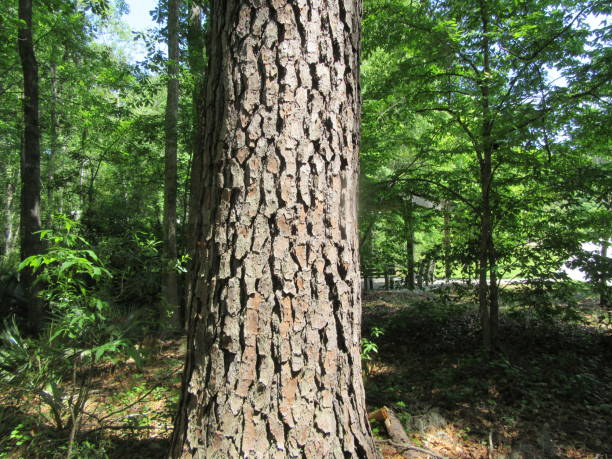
(485, 182)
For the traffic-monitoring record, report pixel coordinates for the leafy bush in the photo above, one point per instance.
(54, 370)
(597, 268)
(545, 299)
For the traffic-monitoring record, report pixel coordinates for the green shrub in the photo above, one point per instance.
(54, 370)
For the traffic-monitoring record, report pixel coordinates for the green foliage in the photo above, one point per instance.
(83, 331)
(598, 269)
(369, 348)
(450, 90)
(544, 299)
(67, 272)
(135, 259)
(88, 450)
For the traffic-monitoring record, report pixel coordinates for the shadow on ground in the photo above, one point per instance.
(547, 394)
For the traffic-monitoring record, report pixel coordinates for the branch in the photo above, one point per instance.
(404, 447)
(122, 427)
(458, 120)
(447, 91)
(534, 55)
(392, 106)
(465, 59)
(551, 39)
(450, 45)
(444, 74)
(444, 187)
(544, 111)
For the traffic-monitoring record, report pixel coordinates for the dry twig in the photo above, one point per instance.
(404, 447)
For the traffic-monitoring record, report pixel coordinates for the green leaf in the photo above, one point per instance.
(65, 265)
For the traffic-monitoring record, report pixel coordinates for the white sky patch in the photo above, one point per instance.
(577, 274)
(122, 39)
(139, 18)
(554, 76)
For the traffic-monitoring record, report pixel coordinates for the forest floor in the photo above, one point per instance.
(547, 394)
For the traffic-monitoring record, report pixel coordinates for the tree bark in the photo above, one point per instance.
(170, 297)
(273, 366)
(30, 161)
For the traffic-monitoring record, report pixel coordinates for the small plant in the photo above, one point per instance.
(369, 348)
(79, 334)
(20, 435)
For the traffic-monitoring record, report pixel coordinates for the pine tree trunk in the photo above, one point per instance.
(273, 366)
(170, 298)
(30, 161)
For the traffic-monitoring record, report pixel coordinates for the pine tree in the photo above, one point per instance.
(273, 366)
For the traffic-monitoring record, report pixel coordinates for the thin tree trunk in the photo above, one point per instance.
(53, 134)
(448, 269)
(273, 366)
(604, 294)
(30, 162)
(197, 64)
(82, 193)
(486, 184)
(483, 256)
(170, 298)
(493, 294)
(421, 273)
(8, 216)
(409, 234)
(365, 244)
